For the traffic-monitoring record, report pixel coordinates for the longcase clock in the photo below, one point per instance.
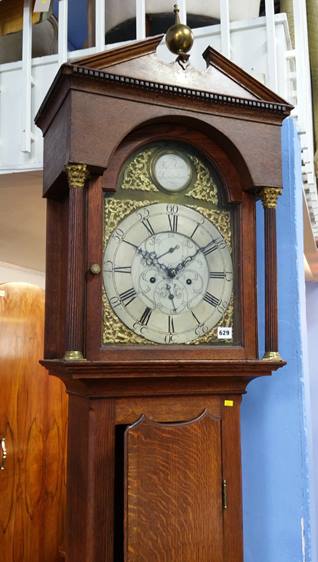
(152, 172)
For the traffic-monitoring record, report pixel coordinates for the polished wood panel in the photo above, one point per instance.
(165, 408)
(56, 276)
(231, 453)
(78, 497)
(173, 492)
(33, 422)
(75, 270)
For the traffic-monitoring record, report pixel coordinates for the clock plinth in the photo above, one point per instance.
(109, 475)
(151, 309)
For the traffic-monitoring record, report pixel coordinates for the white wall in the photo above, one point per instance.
(10, 273)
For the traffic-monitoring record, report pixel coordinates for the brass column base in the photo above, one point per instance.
(272, 356)
(73, 356)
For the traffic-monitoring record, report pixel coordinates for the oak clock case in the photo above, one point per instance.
(157, 189)
(168, 252)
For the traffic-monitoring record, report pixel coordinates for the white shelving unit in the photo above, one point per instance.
(261, 45)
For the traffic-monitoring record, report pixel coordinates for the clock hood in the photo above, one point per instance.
(138, 66)
(109, 95)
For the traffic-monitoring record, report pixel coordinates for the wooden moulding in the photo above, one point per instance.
(125, 378)
(93, 134)
(214, 58)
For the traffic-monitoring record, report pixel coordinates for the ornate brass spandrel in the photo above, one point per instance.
(220, 219)
(204, 187)
(137, 175)
(115, 210)
(212, 335)
(269, 196)
(115, 331)
(77, 175)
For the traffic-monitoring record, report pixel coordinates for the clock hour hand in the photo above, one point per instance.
(151, 258)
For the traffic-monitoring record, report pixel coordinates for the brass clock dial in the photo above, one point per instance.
(168, 273)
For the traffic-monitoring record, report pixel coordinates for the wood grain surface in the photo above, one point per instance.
(75, 270)
(33, 423)
(271, 318)
(151, 491)
(173, 491)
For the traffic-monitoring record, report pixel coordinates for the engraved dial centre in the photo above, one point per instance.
(170, 272)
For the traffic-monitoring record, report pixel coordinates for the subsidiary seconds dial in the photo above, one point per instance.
(168, 273)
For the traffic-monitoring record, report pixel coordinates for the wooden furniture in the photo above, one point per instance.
(154, 435)
(33, 417)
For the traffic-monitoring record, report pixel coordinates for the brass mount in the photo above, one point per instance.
(77, 175)
(179, 39)
(269, 196)
(272, 356)
(73, 356)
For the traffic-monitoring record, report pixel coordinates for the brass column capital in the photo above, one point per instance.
(269, 196)
(77, 175)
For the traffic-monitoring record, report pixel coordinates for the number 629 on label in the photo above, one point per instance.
(225, 333)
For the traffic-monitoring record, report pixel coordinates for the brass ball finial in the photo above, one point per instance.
(179, 37)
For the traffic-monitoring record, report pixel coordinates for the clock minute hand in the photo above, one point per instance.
(185, 262)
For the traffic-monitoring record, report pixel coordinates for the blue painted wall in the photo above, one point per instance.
(312, 339)
(274, 443)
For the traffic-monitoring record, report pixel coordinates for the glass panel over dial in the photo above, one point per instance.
(168, 259)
